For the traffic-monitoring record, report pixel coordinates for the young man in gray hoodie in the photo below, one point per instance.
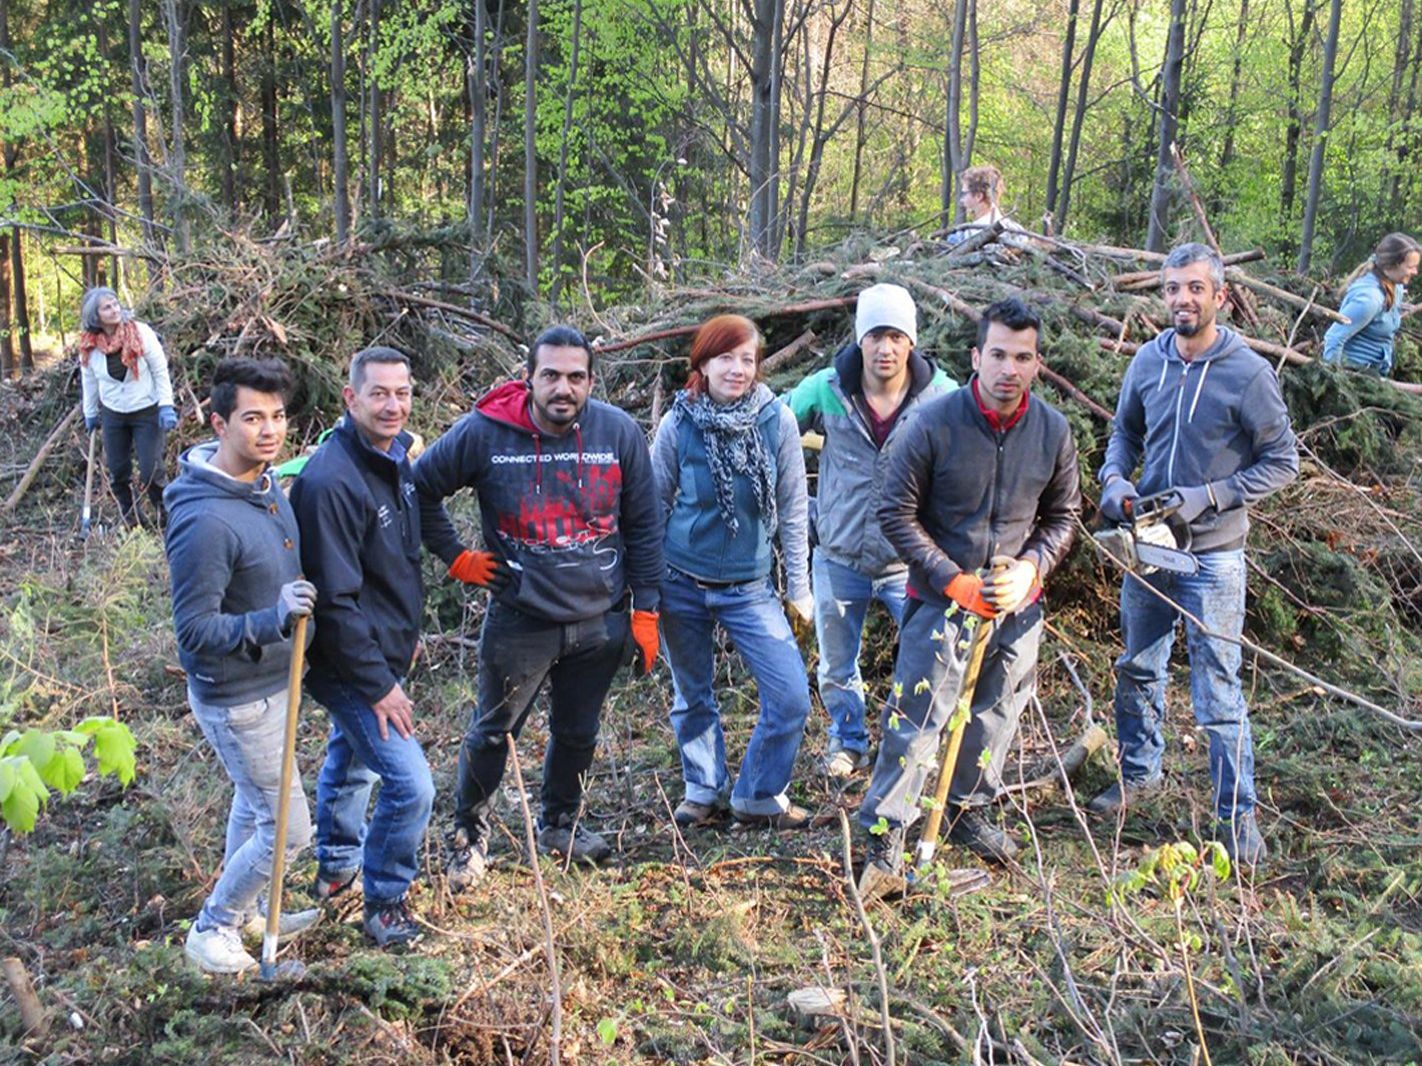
(1203, 415)
(235, 562)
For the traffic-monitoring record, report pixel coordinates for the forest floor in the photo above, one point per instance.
(684, 948)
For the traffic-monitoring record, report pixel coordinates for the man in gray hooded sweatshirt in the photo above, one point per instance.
(235, 562)
(1203, 415)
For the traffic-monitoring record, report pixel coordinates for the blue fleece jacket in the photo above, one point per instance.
(231, 546)
(1367, 340)
(1217, 420)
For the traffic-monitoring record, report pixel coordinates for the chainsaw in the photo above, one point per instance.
(1153, 537)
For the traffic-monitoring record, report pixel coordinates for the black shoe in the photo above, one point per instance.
(468, 860)
(1242, 840)
(968, 828)
(1124, 793)
(391, 925)
(793, 817)
(883, 873)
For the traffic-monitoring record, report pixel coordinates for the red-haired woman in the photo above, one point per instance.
(731, 477)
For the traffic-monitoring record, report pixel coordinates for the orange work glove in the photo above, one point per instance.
(644, 632)
(966, 590)
(484, 569)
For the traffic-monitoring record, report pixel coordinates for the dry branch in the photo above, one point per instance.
(32, 1012)
(38, 461)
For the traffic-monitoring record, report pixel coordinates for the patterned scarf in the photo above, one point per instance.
(125, 342)
(734, 445)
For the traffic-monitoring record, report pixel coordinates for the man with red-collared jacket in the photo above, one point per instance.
(571, 525)
(985, 480)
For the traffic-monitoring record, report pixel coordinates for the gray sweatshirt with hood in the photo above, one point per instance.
(231, 546)
(1217, 420)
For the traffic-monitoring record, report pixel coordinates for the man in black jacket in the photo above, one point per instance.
(360, 546)
(573, 530)
(981, 501)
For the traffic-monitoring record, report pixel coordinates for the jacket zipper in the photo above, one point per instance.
(1175, 430)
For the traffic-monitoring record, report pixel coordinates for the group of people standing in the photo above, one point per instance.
(951, 506)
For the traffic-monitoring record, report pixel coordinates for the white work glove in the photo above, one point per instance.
(804, 607)
(296, 599)
(1010, 582)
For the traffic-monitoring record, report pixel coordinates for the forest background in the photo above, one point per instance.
(299, 179)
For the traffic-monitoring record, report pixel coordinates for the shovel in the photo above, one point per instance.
(288, 762)
(86, 514)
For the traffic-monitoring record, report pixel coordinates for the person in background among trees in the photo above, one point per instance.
(860, 403)
(1203, 416)
(127, 392)
(982, 501)
(235, 561)
(360, 545)
(981, 196)
(1373, 304)
(573, 557)
(731, 478)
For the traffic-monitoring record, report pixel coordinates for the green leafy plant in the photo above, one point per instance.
(35, 761)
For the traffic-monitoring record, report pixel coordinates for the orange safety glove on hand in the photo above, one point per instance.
(966, 590)
(644, 632)
(484, 569)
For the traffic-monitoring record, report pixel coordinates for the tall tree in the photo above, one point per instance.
(1157, 230)
(228, 103)
(478, 132)
(340, 158)
(1300, 37)
(374, 119)
(1320, 135)
(561, 190)
(953, 156)
(1059, 134)
(1078, 119)
(530, 151)
(1236, 75)
(17, 318)
(143, 162)
(271, 138)
(766, 74)
(7, 339)
(175, 18)
(861, 107)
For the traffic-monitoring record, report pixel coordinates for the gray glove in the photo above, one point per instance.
(1114, 497)
(1195, 500)
(296, 599)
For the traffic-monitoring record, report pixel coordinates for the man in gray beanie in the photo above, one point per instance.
(859, 404)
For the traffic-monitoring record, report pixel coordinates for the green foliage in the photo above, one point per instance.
(397, 987)
(35, 761)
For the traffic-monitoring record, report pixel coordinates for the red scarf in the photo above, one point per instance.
(125, 341)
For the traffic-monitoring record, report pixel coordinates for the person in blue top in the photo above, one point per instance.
(1373, 307)
(730, 476)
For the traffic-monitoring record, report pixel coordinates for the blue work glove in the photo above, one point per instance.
(296, 598)
(91, 423)
(1113, 499)
(1195, 500)
(167, 418)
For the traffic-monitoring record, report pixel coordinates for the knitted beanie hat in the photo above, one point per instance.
(886, 305)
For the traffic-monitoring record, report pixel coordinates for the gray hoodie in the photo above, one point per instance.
(231, 546)
(1218, 420)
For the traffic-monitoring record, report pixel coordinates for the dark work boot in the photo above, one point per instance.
(969, 829)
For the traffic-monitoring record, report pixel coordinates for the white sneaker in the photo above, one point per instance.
(217, 950)
(290, 924)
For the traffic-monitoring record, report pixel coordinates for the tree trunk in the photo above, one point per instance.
(1293, 131)
(1320, 135)
(143, 162)
(110, 162)
(821, 137)
(1059, 130)
(271, 145)
(1241, 33)
(496, 85)
(229, 111)
(478, 110)
(563, 152)
(1397, 116)
(861, 106)
(951, 207)
(974, 81)
(21, 308)
(530, 151)
(767, 28)
(1158, 227)
(374, 125)
(7, 340)
(340, 158)
(177, 150)
(1078, 120)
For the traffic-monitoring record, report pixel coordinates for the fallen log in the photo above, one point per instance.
(789, 354)
(682, 331)
(33, 1019)
(38, 461)
(453, 309)
(1239, 277)
(987, 235)
(1150, 279)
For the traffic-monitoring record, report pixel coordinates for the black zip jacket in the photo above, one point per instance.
(959, 492)
(360, 547)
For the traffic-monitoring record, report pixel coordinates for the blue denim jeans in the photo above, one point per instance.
(934, 648)
(842, 598)
(752, 617)
(388, 846)
(517, 653)
(248, 741)
(1215, 596)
